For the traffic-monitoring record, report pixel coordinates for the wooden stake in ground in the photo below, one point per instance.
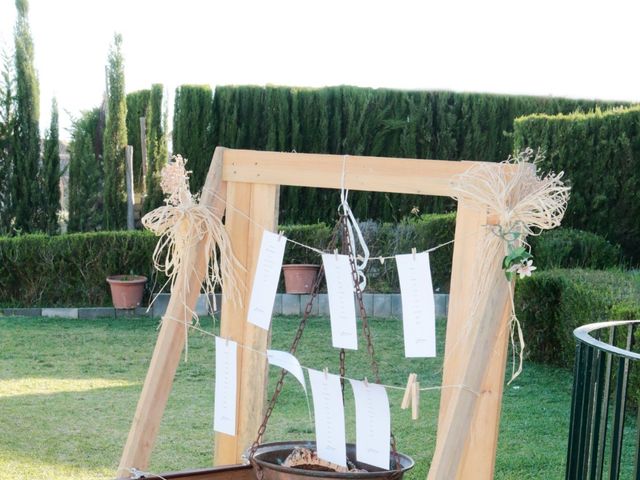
(143, 150)
(128, 163)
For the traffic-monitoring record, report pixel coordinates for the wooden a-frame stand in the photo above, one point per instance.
(249, 181)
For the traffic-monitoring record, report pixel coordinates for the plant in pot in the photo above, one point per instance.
(126, 290)
(299, 277)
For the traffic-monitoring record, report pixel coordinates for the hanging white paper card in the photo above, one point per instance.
(373, 424)
(342, 310)
(329, 415)
(289, 363)
(224, 412)
(265, 282)
(418, 306)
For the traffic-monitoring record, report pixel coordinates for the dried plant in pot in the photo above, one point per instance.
(126, 290)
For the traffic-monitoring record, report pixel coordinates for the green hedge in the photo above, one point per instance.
(357, 121)
(385, 239)
(571, 248)
(69, 270)
(551, 304)
(192, 124)
(600, 154)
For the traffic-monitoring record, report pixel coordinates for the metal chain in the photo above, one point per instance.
(346, 239)
(366, 330)
(347, 248)
(315, 289)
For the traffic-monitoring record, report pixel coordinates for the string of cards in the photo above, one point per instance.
(371, 401)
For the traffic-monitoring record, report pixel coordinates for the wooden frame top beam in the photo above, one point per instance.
(373, 174)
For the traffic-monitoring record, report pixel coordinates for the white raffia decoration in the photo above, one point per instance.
(181, 224)
(521, 203)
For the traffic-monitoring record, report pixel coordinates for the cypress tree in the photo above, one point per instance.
(51, 174)
(415, 124)
(26, 134)
(157, 148)
(137, 106)
(7, 113)
(85, 202)
(192, 128)
(115, 141)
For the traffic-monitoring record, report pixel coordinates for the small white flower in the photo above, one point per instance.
(525, 268)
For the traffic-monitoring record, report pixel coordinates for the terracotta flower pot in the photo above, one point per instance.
(299, 278)
(126, 290)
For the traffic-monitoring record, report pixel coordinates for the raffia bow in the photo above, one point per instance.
(520, 203)
(181, 224)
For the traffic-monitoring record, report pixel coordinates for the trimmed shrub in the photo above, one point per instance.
(70, 270)
(192, 125)
(422, 233)
(571, 248)
(551, 304)
(600, 153)
(357, 121)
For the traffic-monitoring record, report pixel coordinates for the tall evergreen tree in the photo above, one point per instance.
(51, 174)
(7, 111)
(192, 130)
(157, 147)
(26, 134)
(85, 200)
(137, 106)
(115, 141)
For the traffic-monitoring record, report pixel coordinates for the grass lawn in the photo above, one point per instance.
(68, 391)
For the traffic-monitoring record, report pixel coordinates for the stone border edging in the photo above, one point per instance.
(378, 305)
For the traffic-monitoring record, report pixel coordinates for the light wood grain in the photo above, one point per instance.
(469, 421)
(170, 342)
(374, 174)
(260, 203)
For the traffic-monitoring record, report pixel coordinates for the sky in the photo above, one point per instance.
(561, 48)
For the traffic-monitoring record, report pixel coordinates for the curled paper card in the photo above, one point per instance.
(373, 424)
(265, 282)
(342, 310)
(224, 412)
(289, 363)
(418, 305)
(329, 412)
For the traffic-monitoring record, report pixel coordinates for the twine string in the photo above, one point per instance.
(264, 354)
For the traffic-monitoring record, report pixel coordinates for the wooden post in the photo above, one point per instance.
(143, 150)
(128, 163)
(474, 356)
(170, 343)
(259, 203)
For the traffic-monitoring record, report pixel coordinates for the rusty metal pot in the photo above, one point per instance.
(268, 460)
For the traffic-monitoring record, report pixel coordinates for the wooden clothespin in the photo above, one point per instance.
(366, 382)
(326, 373)
(415, 400)
(335, 252)
(412, 396)
(406, 399)
(413, 252)
(280, 234)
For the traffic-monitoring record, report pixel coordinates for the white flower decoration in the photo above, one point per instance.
(524, 269)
